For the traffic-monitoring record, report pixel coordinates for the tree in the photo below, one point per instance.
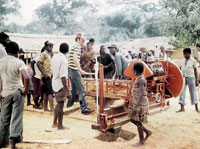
(71, 16)
(7, 7)
(180, 19)
(61, 14)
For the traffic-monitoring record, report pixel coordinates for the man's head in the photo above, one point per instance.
(198, 45)
(102, 50)
(4, 39)
(12, 48)
(138, 69)
(113, 49)
(92, 41)
(48, 46)
(162, 48)
(64, 48)
(80, 39)
(89, 46)
(187, 53)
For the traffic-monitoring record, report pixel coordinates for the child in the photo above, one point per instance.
(138, 106)
(190, 74)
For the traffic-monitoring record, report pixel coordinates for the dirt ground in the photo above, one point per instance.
(170, 130)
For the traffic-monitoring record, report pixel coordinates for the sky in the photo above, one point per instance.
(28, 7)
(26, 11)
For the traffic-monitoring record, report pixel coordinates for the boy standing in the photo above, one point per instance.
(190, 74)
(59, 84)
(138, 104)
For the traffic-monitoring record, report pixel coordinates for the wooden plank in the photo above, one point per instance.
(48, 141)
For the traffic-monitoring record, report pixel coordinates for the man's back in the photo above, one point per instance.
(121, 63)
(59, 69)
(10, 74)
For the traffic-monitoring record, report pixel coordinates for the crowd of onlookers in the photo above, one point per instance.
(47, 76)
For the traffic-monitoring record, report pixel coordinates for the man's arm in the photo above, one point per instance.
(25, 80)
(106, 67)
(32, 66)
(0, 87)
(196, 76)
(77, 64)
(196, 73)
(63, 74)
(118, 63)
(109, 58)
(40, 67)
(64, 82)
(40, 64)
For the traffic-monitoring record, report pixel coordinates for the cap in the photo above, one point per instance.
(162, 47)
(112, 46)
(143, 49)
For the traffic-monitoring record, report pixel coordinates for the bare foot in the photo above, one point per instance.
(197, 111)
(138, 144)
(148, 135)
(62, 128)
(55, 126)
(181, 110)
(51, 111)
(46, 110)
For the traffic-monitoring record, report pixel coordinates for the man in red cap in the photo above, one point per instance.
(74, 72)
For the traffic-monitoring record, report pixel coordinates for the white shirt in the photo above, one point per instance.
(59, 68)
(188, 67)
(37, 71)
(2, 51)
(10, 74)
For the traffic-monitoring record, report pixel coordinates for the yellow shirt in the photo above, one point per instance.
(45, 59)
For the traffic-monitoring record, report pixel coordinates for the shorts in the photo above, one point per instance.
(60, 95)
(47, 85)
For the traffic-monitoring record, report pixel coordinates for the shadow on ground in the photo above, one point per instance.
(116, 135)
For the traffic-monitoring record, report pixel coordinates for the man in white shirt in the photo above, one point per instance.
(189, 70)
(59, 68)
(162, 54)
(12, 70)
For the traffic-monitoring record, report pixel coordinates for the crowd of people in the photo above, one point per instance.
(47, 77)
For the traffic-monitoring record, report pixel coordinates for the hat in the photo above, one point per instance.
(112, 46)
(47, 43)
(143, 49)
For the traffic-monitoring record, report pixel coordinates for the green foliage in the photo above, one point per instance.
(7, 7)
(180, 19)
(72, 16)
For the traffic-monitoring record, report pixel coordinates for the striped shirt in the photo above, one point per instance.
(75, 50)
